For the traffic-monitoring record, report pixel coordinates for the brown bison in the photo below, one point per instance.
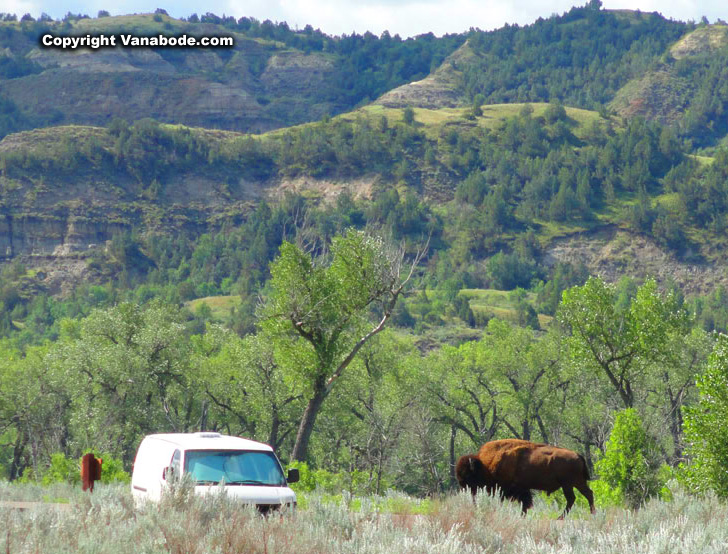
(516, 466)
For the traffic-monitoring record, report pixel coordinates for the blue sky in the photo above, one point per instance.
(405, 17)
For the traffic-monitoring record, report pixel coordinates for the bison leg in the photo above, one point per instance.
(570, 498)
(588, 494)
(526, 498)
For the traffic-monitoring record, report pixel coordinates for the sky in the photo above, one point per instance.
(404, 17)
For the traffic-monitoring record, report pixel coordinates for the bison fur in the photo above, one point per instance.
(515, 467)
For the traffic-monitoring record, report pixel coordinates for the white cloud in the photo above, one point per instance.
(405, 17)
(20, 7)
(412, 17)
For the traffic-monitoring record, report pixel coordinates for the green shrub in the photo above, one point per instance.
(630, 465)
(321, 480)
(62, 469)
(706, 427)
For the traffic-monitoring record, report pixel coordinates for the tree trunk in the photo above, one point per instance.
(16, 466)
(453, 432)
(274, 426)
(526, 425)
(300, 449)
(676, 425)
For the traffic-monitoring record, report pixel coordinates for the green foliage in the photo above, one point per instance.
(619, 343)
(131, 373)
(703, 194)
(408, 115)
(323, 481)
(711, 311)
(318, 312)
(508, 271)
(630, 464)
(598, 49)
(62, 469)
(563, 276)
(706, 427)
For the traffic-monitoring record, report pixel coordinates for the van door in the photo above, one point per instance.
(176, 466)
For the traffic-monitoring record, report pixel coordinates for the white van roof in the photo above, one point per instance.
(208, 440)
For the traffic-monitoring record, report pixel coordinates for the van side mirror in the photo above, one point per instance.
(293, 475)
(168, 473)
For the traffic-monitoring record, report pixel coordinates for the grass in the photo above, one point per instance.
(219, 305)
(496, 303)
(488, 297)
(107, 521)
(493, 116)
(671, 200)
(49, 136)
(702, 160)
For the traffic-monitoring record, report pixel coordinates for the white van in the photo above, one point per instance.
(248, 470)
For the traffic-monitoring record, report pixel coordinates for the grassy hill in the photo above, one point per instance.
(505, 137)
(273, 77)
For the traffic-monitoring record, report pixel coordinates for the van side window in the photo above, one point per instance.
(176, 467)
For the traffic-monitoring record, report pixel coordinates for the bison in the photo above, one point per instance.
(516, 467)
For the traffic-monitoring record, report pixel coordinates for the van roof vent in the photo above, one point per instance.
(208, 435)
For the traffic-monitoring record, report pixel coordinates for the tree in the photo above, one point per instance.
(461, 393)
(33, 409)
(706, 426)
(674, 383)
(369, 413)
(319, 310)
(620, 343)
(408, 115)
(252, 393)
(524, 373)
(630, 463)
(127, 371)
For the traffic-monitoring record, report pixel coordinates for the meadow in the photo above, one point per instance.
(107, 521)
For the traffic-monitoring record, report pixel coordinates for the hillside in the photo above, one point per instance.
(687, 89)
(518, 151)
(70, 188)
(272, 77)
(223, 88)
(222, 239)
(635, 64)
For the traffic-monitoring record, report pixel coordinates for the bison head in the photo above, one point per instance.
(472, 474)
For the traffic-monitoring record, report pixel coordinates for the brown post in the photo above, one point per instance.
(90, 471)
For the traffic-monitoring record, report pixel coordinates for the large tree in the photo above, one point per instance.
(620, 343)
(706, 426)
(127, 370)
(250, 393)
(320, 307)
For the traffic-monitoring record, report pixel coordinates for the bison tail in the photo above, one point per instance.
(585, 468)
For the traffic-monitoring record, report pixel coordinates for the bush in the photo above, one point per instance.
(321, 480)
(706, 427)
(62, 469)
(630, 464)
(508, 271)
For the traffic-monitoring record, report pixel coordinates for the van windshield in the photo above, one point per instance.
(234, 467)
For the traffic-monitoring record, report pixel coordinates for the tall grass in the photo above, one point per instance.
(108, 521)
